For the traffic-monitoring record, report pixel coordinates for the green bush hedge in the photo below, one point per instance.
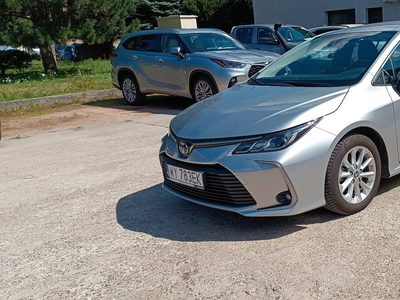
(14, 59)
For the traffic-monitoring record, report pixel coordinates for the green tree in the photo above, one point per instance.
(43, 22)
(149, 10)
(222, 14)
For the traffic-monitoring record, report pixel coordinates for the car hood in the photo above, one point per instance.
(242, 55)
(245, 110)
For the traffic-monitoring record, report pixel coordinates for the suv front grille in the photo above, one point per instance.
(221, 186)
(254, 69)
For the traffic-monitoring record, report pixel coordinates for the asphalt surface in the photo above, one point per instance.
(83, 216)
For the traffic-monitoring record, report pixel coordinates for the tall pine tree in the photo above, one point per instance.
(43, 22)
(222, 14)
(149, 10)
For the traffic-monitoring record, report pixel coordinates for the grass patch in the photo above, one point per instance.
(72, 77)
(34, 109)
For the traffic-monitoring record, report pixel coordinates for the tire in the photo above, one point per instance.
(203, 88)
(353, 175)
(131, 92)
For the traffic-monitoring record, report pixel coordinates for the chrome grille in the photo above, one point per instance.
(221, 186)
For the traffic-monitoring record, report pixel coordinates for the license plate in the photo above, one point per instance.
(186, 177)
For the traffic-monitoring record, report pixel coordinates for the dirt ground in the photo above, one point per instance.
(51, 117)
(27, 121)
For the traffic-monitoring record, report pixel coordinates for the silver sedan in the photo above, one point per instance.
(318, 127)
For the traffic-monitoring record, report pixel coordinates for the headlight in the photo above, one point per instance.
(275, 141)
(229, 64)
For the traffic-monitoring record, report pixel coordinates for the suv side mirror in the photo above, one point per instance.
(272, 42)
(176, 51)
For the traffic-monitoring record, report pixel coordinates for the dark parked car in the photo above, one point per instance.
(69, 52)
(323, 29)
(59, 49)
(277, 38)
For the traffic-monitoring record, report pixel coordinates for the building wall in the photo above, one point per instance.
(311, 13)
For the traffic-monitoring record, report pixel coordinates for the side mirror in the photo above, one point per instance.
(176, 51)
(272, 42)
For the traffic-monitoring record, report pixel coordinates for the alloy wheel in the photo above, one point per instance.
(129, 90)
(357, 175)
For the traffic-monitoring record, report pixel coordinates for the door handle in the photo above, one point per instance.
(160, 60)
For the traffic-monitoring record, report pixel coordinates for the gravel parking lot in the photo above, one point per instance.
(83, 216)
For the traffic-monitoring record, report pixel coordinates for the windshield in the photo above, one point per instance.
(201, 42)
(295, 34)
(338, 59)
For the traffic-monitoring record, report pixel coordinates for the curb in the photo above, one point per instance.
(61, 98)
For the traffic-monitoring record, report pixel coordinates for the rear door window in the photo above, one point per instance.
(132, 43)
(150, 43)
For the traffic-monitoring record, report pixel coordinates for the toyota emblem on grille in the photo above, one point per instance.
(184, 148)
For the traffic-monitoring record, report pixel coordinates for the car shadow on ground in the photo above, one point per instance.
(154, 104)
(154, 211)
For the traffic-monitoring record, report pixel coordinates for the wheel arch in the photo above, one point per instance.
(122, 73)
(196, 75)
(378, 141)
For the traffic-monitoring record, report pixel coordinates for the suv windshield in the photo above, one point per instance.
(200, 42)
(327, 60)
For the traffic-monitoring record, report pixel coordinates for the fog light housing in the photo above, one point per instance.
(284, 198)
(232, 82)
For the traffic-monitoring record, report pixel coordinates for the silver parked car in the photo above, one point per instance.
(192, 63)
(278, 38)
(318, 127)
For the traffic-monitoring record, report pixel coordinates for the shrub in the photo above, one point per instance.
(14, 59)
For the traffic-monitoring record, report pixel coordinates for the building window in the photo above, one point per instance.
(337, 17)
(375, 15)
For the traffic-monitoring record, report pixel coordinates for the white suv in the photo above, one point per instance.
(192, 63)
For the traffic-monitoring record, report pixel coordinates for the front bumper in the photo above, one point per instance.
(281, 183)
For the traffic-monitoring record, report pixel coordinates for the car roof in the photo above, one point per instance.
(383, 26)
(327, 27)
(175, 31)
(351, 25)
(340, 26)
(268, 25)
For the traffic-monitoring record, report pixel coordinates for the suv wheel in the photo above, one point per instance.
(203, 88)
(131, 92)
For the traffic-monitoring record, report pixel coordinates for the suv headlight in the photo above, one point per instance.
(229, 64)
(275, 141)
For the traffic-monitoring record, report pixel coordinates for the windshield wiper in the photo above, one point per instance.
(257, 81)
(305, 83)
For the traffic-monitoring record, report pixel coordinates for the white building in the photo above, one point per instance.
(311, 13)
